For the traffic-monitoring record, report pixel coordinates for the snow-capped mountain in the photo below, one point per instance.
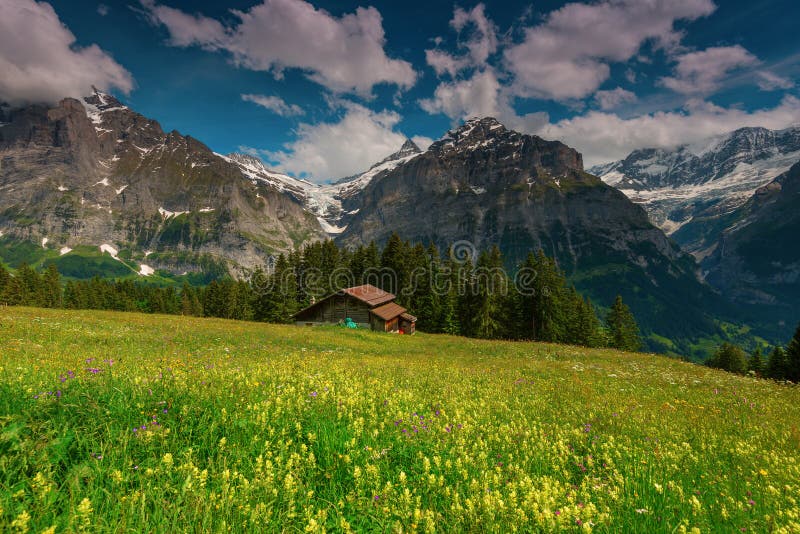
(687, 189)
(487, 185)
(92, 174)
(333, 204)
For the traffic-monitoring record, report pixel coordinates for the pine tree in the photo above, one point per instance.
(587, 328)
(51, 284)
(447, 285)
(489, 289)
(793, 357)
(213, 304)
(729, 357)
(284, 299)
(4, 279)
(756, 363)
(777, 364)
(393, 259)
(31, 284)
(14, 292)
(623, 332)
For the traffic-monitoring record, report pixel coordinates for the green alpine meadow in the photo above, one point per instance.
(127, 422)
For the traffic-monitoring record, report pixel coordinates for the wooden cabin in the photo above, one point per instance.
(367, 305)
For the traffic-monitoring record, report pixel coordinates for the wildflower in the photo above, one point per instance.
(20, 523)
(167, 460)
(313, 394)
(85, 507)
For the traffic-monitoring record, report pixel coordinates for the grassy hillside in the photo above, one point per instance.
(125, 422)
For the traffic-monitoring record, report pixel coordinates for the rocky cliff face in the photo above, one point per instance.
(96, 173)
(757, 260)
(489, 185)
(689, 191)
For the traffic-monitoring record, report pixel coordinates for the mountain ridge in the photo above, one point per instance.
(688, 190)
(95, 173)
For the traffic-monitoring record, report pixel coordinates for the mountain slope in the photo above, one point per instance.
(489, 185)
(689, 191)
(757, 261)
(98, 174)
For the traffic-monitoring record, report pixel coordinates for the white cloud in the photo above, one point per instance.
(103, 10)
(613, 98)
(344, 54)
(702, 72)
(40, 61)
(769, 81)
(185, 29)
(603, 137)
(331, 150)
(480, 43)
(422, 142)
(567, 55)
(475, 96)
(275, 104)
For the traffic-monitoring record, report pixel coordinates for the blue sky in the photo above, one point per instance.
(323, 89)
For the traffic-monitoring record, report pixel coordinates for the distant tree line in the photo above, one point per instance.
(459, 292)
(781, 363)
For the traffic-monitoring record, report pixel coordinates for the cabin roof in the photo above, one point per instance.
(408, 317)
(369, 294)
(388, 311)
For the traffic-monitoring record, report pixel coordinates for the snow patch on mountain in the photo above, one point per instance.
(111, 250)
(693, 185)
(324, 201)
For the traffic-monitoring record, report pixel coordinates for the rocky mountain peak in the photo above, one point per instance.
(246, 159)
(474, 130)
(102, 101)
(408, 148)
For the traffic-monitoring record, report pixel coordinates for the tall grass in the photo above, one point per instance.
(125, 422)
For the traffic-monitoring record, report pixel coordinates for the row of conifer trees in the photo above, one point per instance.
(782, 363)
(456, 292)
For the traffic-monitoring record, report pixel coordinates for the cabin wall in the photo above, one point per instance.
(407, 326)
(336, 309)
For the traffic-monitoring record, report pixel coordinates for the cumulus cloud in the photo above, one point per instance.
(769, 81)
(40, 61)
(275, 104)
(480, 43)
(603, 137)
(348, 146)
(103, 10)
(613, 98)
(702, 72)
(478, 95)
(568, 55)
(344, 54)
